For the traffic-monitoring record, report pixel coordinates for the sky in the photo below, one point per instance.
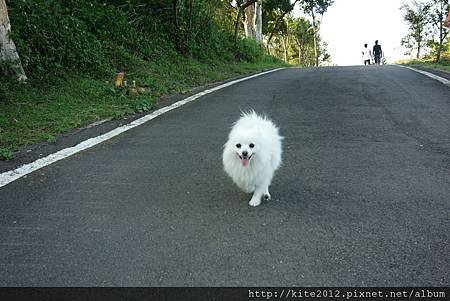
(349, 24)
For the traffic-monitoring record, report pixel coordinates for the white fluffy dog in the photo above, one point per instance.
(252, 154)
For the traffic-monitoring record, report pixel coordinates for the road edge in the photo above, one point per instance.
(429, 74)
(21, 171)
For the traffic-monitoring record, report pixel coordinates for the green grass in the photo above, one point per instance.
(71, 51)
(443, 65)
(38, 111)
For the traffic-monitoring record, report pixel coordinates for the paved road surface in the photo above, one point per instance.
(362, 198)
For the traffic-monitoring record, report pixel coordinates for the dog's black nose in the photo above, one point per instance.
(244, 153)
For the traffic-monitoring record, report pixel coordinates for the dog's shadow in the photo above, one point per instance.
(231, 197)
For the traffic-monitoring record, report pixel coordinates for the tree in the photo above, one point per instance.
(293, 42)
(274, 13)
(9, 57)
(285, 35)
(253, 21)
(300, 29)
(187, 22)
(241, 6)
(439, 9)
(416, 15)
(314, 8)
(249, 21)
(250, 12)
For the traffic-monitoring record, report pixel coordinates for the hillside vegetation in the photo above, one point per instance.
(72, 50)
(427, 37)
(430, 62)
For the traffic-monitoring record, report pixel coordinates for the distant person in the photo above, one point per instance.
(377, 53)
(367, 55)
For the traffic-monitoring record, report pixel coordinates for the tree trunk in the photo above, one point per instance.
(316, 57)
(299, 54)
(236, 26)
(249, 22)
(439, 50)
(8, 51)
(258, 22)
(177, 36)
(285, 45)
(418, 50)
(241, 9)
(442, 35)
(189, 9)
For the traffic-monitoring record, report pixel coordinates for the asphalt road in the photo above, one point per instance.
(362, 197)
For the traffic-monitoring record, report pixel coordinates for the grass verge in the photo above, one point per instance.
(443, 65)
(38, 111)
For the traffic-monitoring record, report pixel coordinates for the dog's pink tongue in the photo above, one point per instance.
(245, 162)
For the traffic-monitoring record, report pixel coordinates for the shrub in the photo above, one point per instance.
(97, 38)
(249, 50)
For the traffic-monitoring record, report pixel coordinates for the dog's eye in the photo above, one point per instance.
(252, 145)
(238, 145)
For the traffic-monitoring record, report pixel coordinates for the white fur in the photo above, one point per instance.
(265, 155)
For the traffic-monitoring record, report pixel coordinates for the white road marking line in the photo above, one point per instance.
(433, 76)
(12, 175)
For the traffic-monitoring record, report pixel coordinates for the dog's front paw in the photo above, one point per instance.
(254, 202)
